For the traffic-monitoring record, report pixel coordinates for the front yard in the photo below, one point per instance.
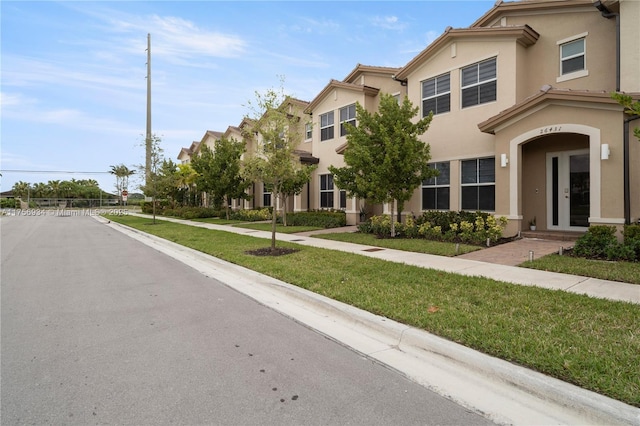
(593, 343)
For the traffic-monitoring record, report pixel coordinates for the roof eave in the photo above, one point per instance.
(545, 95)
(524, 35)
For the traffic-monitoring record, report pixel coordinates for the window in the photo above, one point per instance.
(343, 200)
(326, 126)
(308, 131)
(266, 196)
(479, 83)
(347, 115)
(572, 56)
(326, 191)
(435, 191)
(436, 95)
(479, 184)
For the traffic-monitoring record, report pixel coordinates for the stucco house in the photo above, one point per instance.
(524, 125)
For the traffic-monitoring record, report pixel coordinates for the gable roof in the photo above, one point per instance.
(547, 94)
(335, 84)
(502, 8)
(362, 69)
(524, 35)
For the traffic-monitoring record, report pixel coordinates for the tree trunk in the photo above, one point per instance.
(274, 216)
(393, 221)
(284, 210)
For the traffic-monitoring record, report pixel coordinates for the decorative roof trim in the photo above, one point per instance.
(502, 8)
(547, 94)
(362, 69)
(524, 35)
(335, 84)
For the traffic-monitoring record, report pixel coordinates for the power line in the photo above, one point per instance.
(52, 171)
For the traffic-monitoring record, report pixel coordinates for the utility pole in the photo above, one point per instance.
(148, 137)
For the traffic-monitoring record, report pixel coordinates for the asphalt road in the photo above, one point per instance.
(98, 328)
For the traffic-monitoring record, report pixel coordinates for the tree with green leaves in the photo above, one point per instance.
(631, 107)
(219, 172)
(21, 189)
(276, 128)
(122, 174)
(385, 161)
(152, 183)
(186, 180)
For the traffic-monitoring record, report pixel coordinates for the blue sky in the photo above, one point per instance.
(73, 87)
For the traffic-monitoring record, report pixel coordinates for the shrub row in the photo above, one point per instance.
(600, 242)
(319, 219)
(464, 227)
(255, 215)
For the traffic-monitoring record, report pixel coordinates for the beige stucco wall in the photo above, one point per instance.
(541, 63)
(630, 45)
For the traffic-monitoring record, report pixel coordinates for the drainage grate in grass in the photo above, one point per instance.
(373, 249)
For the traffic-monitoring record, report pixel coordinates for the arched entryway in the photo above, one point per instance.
(556, 177)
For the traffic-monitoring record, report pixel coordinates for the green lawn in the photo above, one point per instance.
(418, 245)
(261, 226)
(626, 272)
(593, 343)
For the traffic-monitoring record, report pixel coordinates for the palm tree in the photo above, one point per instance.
(186, 178)
(21, 189)
(54, 187)
(122, 173)
(40, 190)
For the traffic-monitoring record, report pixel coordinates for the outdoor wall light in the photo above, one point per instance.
(604, 151)
(503, 160)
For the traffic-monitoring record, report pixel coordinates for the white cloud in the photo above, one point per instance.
(388, 23)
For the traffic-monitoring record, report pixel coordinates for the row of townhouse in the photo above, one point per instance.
(524, 125)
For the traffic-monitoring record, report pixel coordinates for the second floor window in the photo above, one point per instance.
(326, 126)
(572, 56)
(326, 191)
(308, 131)
(436, 95)
(479, 83)
(347, 115)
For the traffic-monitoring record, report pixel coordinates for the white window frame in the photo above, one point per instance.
(477, 184)
(264, 194)
(478, 82)
(437, 185)
(349, 119)
(575, 74)
(326, 184)
(308, 132)
(437, 95)
(328, 124)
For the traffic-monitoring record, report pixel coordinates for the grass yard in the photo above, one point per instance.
(626, 272)
(418, 245)
(593, 343)
(279, 228)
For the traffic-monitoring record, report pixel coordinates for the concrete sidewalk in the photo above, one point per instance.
(503, 392)
(464, 265)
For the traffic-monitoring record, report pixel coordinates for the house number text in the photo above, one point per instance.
(552, 129)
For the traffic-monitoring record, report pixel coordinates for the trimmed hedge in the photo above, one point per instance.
(600, 242)
(318, 218)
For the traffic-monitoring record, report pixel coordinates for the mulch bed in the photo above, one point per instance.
(278, 251)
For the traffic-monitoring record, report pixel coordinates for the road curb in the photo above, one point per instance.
(509, 394)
